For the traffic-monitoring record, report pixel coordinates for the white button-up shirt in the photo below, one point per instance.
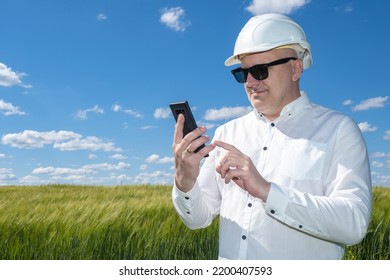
(320, 198)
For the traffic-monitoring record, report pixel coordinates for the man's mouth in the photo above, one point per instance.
(257, 91)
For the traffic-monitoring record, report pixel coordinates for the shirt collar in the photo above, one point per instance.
(291, 108)
(295, 106)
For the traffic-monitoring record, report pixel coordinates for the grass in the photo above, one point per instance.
(376, 244)
(60, 222)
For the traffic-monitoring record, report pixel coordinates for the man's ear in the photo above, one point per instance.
(297, 69)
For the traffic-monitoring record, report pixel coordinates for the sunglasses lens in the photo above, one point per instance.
(240, 75)
(259, 72)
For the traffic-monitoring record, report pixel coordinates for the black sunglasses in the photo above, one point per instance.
(258, 71)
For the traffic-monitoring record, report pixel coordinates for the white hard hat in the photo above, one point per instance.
(269, 31)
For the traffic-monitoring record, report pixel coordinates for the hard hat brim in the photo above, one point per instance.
(235, 59)
(232, 60)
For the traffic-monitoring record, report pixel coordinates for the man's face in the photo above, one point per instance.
(270, 95)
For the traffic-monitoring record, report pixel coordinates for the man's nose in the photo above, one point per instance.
(250, 80)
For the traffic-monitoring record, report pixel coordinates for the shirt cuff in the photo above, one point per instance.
(186, 196)
(277, 201)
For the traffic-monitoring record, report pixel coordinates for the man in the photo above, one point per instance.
(290, 180)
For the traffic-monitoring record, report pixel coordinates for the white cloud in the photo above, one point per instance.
(154, 158)
(120, 178)
(6, 175)
(92, 174)
(380, 155)
(2, 156)
(207, 125)
(143, 167)
(347, 8)
(107, 166)
(156, 177)
(88, 143)
(82, 114)
(31, 139)
(101, 17)
(174, 18)
(146, 127)
(8, 109)
(59, 171)
(118, 108)
(375, 102)
(275, 6)
(9, 78)
(366, 127)
(162, 113)
(78, 173)
(62, 140)
(226, 113)
(377, 164)
(347, 102)
(118, 156)
(32, 180)
(387, 135)
(380, 179)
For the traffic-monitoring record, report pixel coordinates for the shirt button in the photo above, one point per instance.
(272, 124)
(187, 197)
(265, 148)
(188, 212)
(243, 237)
(300, 226)
(249, 204)
(272, 211)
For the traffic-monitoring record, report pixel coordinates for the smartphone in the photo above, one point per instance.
(189, 123)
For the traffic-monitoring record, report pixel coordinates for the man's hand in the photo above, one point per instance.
(239, 167)
(186, 161)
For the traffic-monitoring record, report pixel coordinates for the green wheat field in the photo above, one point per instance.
(65, 222)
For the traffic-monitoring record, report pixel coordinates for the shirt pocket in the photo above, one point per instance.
(303, 159)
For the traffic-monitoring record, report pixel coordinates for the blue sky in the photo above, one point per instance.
(85, 85)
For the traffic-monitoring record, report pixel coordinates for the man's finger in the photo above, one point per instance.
(225, 146)
(178, 136)
(232, 174)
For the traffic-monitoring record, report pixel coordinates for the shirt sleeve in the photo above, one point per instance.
(342, 215)
(198, 207)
